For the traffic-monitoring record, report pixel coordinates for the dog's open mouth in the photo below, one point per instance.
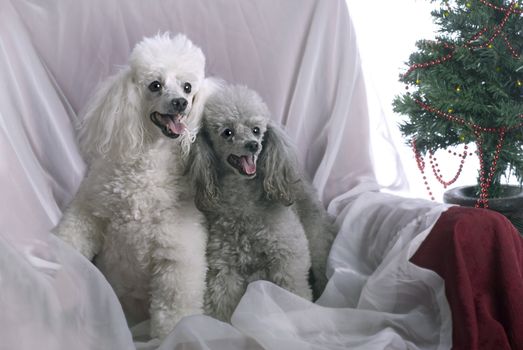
(246, 165)
(171, 125)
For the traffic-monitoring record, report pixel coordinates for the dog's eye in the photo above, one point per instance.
(155, 86)
(256, 130)
(187, 88)
(227, 133)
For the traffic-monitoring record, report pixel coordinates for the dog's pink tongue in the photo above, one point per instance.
(176, 126)
(248, 165)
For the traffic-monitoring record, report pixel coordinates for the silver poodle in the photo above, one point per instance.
(264, 219)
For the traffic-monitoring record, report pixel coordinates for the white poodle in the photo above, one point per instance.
(262, 214)
(134, 212)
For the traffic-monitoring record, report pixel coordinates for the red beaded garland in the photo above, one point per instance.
(469, 44)
(421, 167)
(510, 47)
(437, 171)
(462, 121)
(435, 167)
(484, 183)
(499, 8)
(497, 31)
(478, 131)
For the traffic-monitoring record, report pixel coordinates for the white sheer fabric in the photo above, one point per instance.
(301, 56)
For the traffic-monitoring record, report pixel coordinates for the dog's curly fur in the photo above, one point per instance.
(134, 212)
(262, 215)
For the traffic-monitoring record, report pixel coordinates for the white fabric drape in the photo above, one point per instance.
(301, 56)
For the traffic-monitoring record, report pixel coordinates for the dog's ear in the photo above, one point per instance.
(278, 165)
(207, 88)
(202, 171)
(112, 123)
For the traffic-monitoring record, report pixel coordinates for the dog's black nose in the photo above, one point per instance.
(179, 104)
(252, 146)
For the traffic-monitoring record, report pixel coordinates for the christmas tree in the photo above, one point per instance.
(466, 86)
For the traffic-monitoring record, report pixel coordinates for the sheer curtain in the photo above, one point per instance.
(386, 33)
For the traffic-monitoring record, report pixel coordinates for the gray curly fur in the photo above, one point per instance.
(261, 225)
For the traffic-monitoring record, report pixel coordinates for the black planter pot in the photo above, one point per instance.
(510, 204)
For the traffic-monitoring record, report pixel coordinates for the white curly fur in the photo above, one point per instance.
(264, 219)
(134, 212)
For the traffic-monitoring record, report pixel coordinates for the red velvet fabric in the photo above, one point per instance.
(479, 254)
